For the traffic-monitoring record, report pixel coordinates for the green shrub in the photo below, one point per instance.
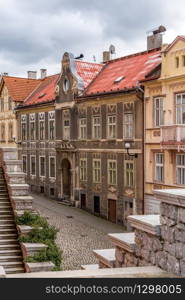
(46, 234)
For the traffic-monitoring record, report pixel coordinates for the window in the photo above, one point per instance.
(177, 62)
(128, 125)
(183, 60)
(82, 128)
(41, 125)
(2, 132)
(9, 103)
(66, 125)
(158, 112)
(112, 170)
(83, 169)
(129, 173)
(32, 126)
(96, 132)
(24, 163)
(111, 127)
(51, 125)
(10, 132)
(23, 128)
(52, 192)
(2, 104)
(52, 166)
(96, 170)
(180, 168)
(180, 108)
(42, 166)
(33, 165)
(159, 167)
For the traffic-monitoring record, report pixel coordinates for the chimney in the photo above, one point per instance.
(106, 56)
(155, 39)
(32, 74)
(5, 74)
(43, 73)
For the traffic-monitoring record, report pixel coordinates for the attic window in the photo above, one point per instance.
(120, 78)
(41, 95)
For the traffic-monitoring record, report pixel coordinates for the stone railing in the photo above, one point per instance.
(157, 240)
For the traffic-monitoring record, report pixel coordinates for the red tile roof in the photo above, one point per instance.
(87, 71)
(128, 71)
(20, 88)
(45, 92)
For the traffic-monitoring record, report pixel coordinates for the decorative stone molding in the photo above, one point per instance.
(30, 249)
(106, 257)
(146, 223)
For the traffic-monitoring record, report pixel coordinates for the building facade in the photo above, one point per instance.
(13, 91)
(164, 124)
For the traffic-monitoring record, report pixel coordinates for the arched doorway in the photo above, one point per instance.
(66, 178)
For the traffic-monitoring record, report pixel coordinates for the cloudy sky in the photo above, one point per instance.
(35, 33)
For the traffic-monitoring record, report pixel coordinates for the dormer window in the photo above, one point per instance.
(66, 84)
(118, 79)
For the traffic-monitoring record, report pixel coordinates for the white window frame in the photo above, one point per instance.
(128, 125)
(52, 177)
(24, 155)
(31, 122)
(66, 128)
(83, 129)
(110, 169)
(83, 169)
(31, 165)
(96, 127)
(158, 111)
(111, 127)
(180, 169)
(180, 108)
(51, 117)
(159, 167)
(96, 170)
(44, 128)
(42, 156)
(129, 171)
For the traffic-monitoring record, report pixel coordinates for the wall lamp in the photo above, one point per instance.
(127, 147)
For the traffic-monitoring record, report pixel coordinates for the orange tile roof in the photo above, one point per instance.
(45, 92)
(20, 88)
(87, 71)
(128, 71)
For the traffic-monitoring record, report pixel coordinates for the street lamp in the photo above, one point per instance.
(127, 147)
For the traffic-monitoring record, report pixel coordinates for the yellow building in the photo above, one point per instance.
(13, 91)
(165, 123)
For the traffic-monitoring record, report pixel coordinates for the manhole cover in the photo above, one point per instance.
(69, 217)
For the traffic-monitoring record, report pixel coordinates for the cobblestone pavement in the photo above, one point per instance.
(79, 232)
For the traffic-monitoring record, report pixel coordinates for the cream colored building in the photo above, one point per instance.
(13, 91)
(165, 124)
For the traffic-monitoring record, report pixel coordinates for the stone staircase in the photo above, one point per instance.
(10, 252)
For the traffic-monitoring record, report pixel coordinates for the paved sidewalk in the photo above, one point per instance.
(79, 232)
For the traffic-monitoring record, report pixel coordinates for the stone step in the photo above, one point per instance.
(11, 264)
(8, 236)
(147, 223)
(5, 217)
(7, 222)
(6, 213)
(5, 204)
(10, 258)
(4, 197)
(8, 241)
(15, 270)
(125, 240)
(9, 252)
(5, 208)
(90, 267)
(7, 226)
(8, 230)
(106, 257)
(10, 247)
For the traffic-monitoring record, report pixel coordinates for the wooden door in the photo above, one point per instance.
(97, 205)
(83, 201)
(112, 210)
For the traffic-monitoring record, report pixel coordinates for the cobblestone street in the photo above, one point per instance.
(79, 232)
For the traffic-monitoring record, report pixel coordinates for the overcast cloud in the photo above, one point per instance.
(34, 34)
